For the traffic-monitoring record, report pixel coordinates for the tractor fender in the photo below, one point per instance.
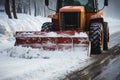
(97, 18)
(55, 21)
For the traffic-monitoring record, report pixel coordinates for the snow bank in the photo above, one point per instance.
(23, 23)
(112, 21)
(114, 25)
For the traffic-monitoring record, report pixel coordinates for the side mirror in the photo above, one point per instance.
(46, 2)
(106, 2)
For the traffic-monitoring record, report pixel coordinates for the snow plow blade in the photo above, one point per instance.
(52, 40)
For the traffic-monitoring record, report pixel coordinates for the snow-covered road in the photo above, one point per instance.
(18, 63)
(48, 66)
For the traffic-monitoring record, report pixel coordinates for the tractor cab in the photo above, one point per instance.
(88, 4)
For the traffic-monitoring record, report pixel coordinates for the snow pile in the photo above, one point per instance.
(49, 66)
(23, 23)
(19, 63)
(4, 28)
(29, 53)
(113, 25)
(51, 34)
(112, 21)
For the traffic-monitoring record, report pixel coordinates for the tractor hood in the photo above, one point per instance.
(72, 17)
(72, 9)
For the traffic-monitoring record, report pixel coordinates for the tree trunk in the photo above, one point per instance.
(7, 9)
(19, 9)
(19, 6)
(30, 7)
(35, 7)
(14, 9)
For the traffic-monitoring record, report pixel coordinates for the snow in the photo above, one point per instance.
(51, 34)
(113, 24)
(19, 63)
(24, 23)
(46, 67)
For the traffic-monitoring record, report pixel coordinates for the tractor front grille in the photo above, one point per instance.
(70, 20)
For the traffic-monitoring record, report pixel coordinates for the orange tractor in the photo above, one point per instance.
(76, 23)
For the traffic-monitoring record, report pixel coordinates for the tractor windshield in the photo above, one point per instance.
(89, 4)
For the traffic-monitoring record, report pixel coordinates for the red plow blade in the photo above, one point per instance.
(52, 40)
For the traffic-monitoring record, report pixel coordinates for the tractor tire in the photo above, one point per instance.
(47, 27)
(106, 36)
(95, 38)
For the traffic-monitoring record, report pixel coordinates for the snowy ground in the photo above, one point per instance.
(18, 63)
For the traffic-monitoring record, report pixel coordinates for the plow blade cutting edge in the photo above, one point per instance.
(52, 40)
